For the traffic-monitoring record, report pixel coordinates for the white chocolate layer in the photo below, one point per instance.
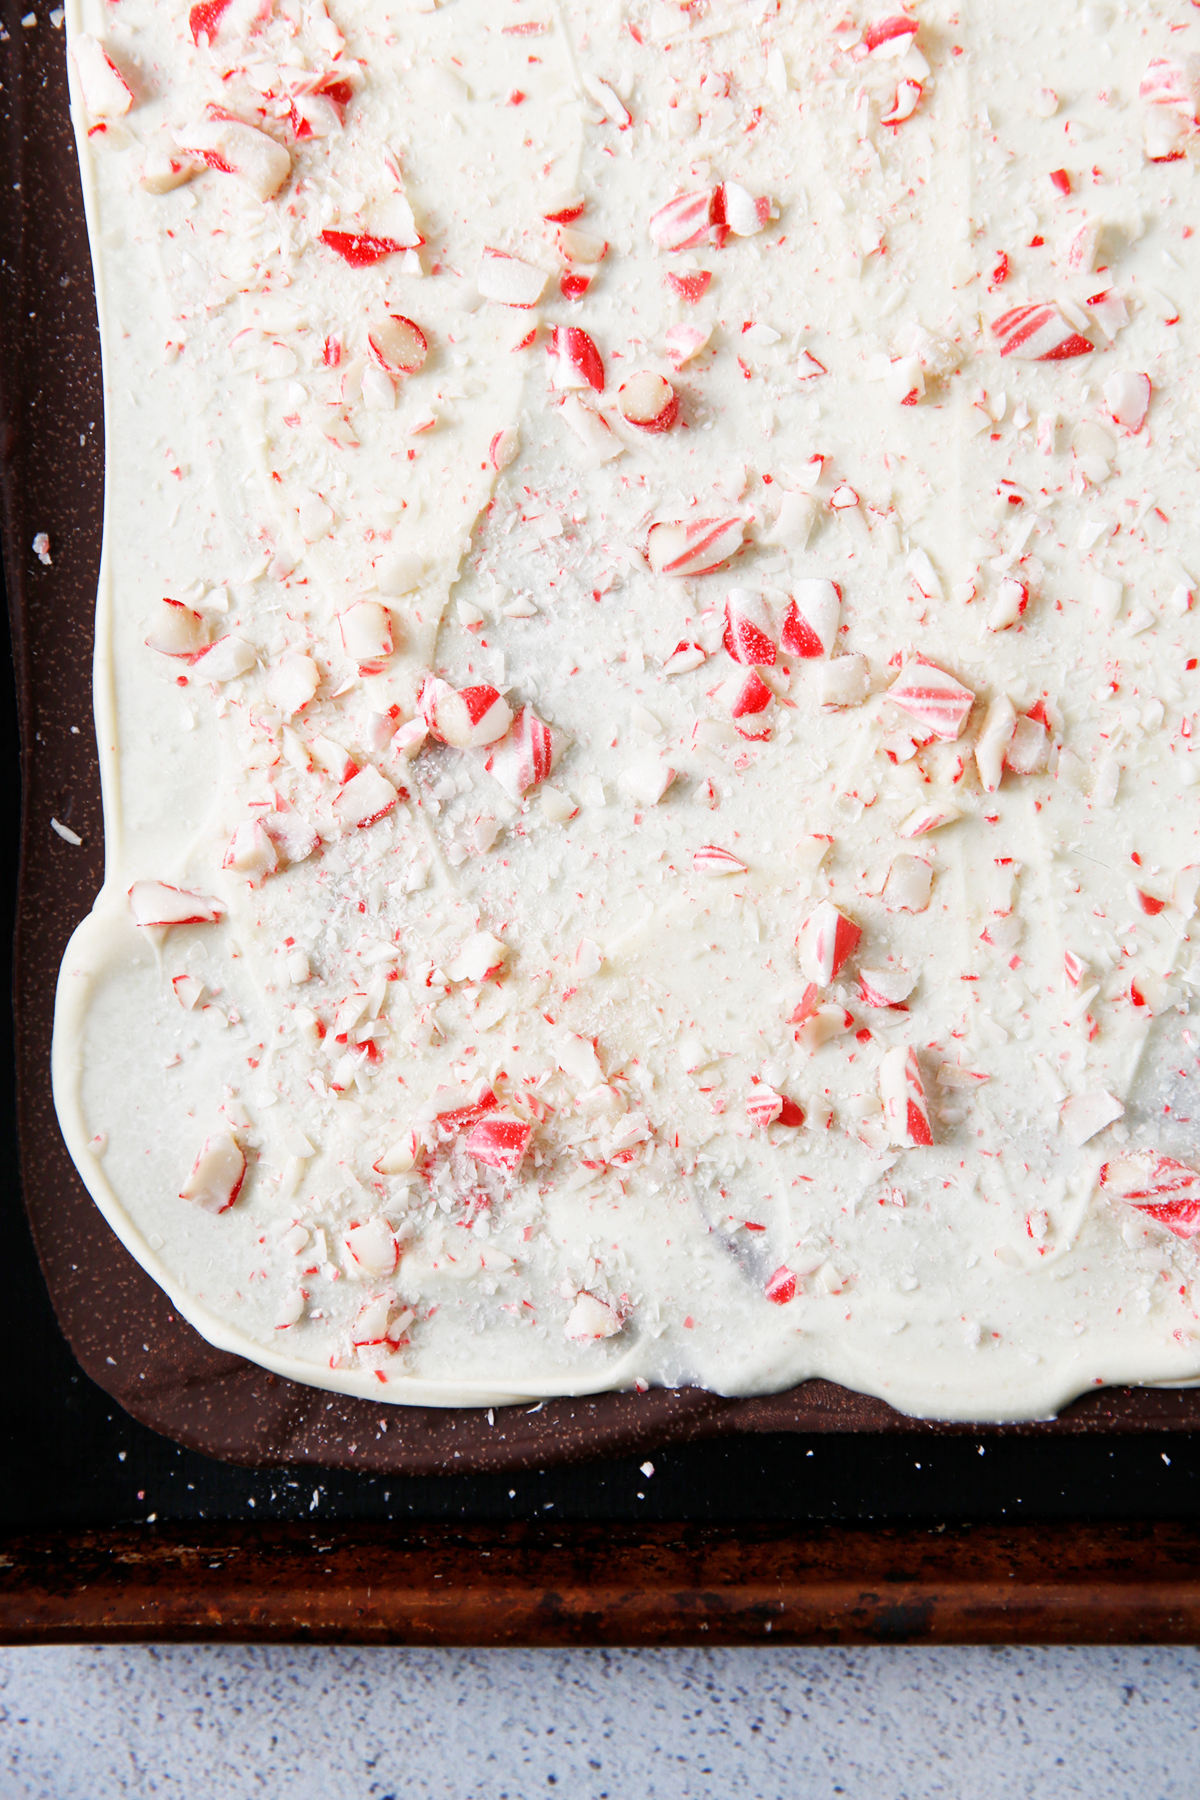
(609, 967)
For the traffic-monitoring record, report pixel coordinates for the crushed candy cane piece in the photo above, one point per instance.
(902, 1092)
(217, 1174)
(932, 697)
(1038, 333)
(825, 941)
(811, 624)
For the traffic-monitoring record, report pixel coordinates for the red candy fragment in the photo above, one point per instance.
(359, 248)
(1167, 1190)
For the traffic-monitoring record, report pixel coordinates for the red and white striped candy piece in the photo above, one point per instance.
(648, 401)
(748, 697)
(710, 859)
(574, 360)
(765, 1107)
(218, 21)
(1038, 333)
(363, 249)
(564, 211)
(526, 756)
(158, 903)
(735, 209)
(1167, 1190)
(232, 147)
(106, 93)
(691, 287)
(891, 36)
(824, 942)
(1127, 397)
(695, 547)
(883, 988)
(217, 1174)
(781, 1287)
(683, 222)
(748, 633)
(466, 718)
(1012, 597)
(500, 1141)
(1074, 967)
(902, 1092)
(507, 280)
(398, 345)
(927, 694)
(1174, 83)
(811, 625)
(905, 102)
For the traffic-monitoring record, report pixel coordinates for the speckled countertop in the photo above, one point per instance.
(890, 1724)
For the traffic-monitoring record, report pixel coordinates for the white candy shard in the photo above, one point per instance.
(217, 1174)
(908, 885)
(591, 1319)
(646, 780)
(232, 147)
(292, 682)
(1127, 397)
(844, 681)
(177, 630)
(509, 281)
(992, 745)
(251, 852)
(366, 633)
(372, 1250)
(106, 93)
(479, 957)
(225, 660)
(157, 903)
(366, 798)
(1083, 1115)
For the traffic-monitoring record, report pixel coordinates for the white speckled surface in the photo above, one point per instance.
(226, 1723)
